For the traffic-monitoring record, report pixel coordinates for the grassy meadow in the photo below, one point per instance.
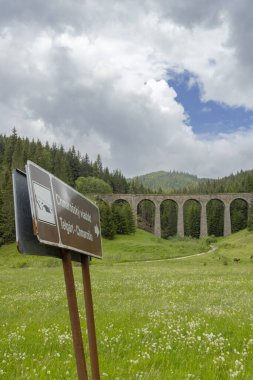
(172, 319)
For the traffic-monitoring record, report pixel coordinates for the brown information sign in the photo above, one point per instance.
(61, 216)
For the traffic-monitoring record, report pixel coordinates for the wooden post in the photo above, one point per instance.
(74, 316)
(90, 318)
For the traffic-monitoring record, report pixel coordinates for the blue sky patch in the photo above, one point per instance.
(207, 117)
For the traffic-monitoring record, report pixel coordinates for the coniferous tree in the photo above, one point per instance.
(215, 218)
(120, 219)
(7, 226)
(128, 214)
(106, 219)
(74, 164)
(10, 148)
(168, 219)
(86, 167)
(123, 218)
(18, 155)
(98, 167)
(61, 166)
(239, 215)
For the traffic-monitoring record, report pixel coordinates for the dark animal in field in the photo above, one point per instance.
(236, 259)
(251, 257)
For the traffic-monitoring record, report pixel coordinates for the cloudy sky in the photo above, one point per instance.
(149, 85)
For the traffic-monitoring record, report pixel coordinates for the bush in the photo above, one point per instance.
(92, 185)
(211, 239)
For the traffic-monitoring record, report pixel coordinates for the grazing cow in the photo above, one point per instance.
(236, 259)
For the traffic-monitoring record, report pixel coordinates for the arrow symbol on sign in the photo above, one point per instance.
(96, 229)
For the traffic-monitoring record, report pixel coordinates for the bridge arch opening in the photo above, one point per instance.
(192, 212)
(146, 215)
(169, 215)
(239, 214)
(120, 202)
(215, 217)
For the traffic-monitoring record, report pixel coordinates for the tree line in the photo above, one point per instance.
(68, 165)
(241, 182)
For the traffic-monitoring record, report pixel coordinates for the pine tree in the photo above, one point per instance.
(7, 226)
(18, 155)
(10, 148)
(106, 219)
(61, 168)
(239, 215)
(215, 217)
(74, 164)
(122, 218)
(98, 167)
(86, 167)
(168, 219)
(128, 214)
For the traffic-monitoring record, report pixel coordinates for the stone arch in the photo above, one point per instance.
(168, 218)
(215, 210)
(239, 214)
(192, 216)
(226, 198)
(103, 201)
(146, 210)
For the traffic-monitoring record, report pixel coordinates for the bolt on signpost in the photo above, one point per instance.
(53, 219)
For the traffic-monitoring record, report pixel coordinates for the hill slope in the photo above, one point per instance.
(168, 180)
(136, 247)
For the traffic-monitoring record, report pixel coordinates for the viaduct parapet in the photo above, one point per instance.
(203, 199)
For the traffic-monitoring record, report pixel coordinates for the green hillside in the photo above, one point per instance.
(185, 183)
(168, 181)
(124, 248)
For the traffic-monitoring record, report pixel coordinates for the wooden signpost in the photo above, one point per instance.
(53, 219)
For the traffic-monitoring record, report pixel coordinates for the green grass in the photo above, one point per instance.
(145, 246)
(124, 248)
(173, 319)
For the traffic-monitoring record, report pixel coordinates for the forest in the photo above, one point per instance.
(168, 182)
(87, 177)
(70, 166)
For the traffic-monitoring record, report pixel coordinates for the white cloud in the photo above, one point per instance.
(94, 75)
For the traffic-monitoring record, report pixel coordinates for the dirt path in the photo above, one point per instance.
(213, 248)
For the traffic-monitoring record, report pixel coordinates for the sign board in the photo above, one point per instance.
(49, 216)
(61, 216)
(27, 242)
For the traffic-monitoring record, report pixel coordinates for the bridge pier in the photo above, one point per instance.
(157, 227)
(227, 220)
(180, 219)
(203, 220)
(134, 207)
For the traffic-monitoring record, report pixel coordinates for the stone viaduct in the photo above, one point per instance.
(203, 199)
